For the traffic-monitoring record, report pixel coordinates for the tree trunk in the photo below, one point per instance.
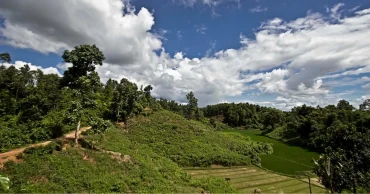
(331, 187)
(354, 187)
(309, 184)
(77, 130)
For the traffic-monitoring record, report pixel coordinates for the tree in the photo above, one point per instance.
(365, 105)
(82, 79)
(125, 98)
(192, 105)
(83, 58)
(5, 57)
(147, 90)
(83, 98)
(327, 171)
(272, 118)
(348, 150)
(344, 105)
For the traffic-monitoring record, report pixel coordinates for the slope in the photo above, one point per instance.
(143, 158)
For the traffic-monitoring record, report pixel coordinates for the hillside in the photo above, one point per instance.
(145, 157)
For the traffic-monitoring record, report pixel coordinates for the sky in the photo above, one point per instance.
(280, 54)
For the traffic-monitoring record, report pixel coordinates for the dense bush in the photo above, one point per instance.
(192, 143)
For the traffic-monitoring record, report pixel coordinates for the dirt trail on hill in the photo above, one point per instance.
(12, 154)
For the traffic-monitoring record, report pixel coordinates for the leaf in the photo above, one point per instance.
(4, 182)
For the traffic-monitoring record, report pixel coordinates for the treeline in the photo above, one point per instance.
(35, 106)
(248, 116)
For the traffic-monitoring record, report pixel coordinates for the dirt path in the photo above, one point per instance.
(12, 154)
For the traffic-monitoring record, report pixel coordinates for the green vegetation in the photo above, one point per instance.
(341, 133)
(191, 143)
(285, 159)
(144, 157)
(36, 107)
(246, 179)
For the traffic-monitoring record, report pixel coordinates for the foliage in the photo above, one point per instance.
(365, 105)
(36, 107)
(183, 141)
(99, 125)
(83, 58)
(43, 150)
(46, 169)
(4, 183)
(5, 57)
(244, 114)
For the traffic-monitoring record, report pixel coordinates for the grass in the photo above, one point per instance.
(285, 158)
(147, 158)
(192, 143)
(246, 179)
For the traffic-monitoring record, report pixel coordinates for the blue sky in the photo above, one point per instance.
(274, 53)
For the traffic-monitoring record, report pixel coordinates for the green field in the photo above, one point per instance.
(246, 179)
(286, 159)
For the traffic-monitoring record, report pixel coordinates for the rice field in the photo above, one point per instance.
(246, 179)
(285, 159)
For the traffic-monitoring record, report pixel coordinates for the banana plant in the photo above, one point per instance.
(4, 183)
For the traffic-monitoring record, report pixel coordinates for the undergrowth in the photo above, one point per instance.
(145, 158)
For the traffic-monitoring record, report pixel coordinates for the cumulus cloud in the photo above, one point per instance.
(19, 64)
(290, 59)
(49, 26)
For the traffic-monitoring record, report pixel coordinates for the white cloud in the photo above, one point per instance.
(179, 35)
(19, 64)
(363, 12)
(211, 3)
(211, 49)
(201, 29)
(354, 9)
(48, 26)
(347, 81)
(312, 48)
(366, 86)
(258, 9)
(335, 11)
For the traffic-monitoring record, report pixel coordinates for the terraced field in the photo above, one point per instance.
(246, 179)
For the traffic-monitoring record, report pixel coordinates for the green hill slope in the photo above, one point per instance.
(146, 157)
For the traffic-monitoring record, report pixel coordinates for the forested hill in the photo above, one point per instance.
(36, 107)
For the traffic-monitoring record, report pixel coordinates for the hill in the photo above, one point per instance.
(146, 156)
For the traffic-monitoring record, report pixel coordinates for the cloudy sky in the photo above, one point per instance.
(274, 53)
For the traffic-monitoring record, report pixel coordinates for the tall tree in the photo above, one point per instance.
(83, 58)
(83, 99)
(192, 105)
(5, 57)
(365, 105)
(344, 105)
(125, 98)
